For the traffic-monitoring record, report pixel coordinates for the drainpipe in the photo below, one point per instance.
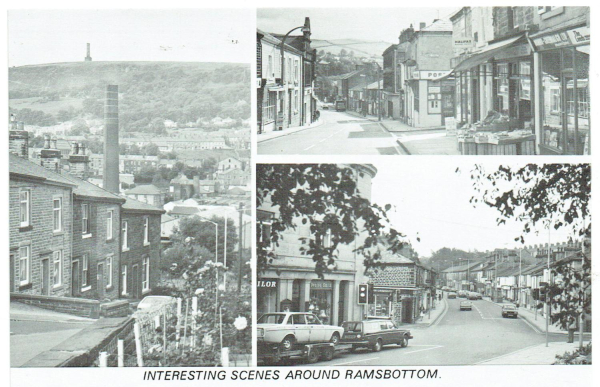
(537, 100)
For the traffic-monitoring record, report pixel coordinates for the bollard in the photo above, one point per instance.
(138, 344)
(225, 357)
(120, 353)
(103, 360)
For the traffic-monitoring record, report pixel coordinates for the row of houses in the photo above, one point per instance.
(71, 238)
(496, 68)
(515, 275)
(285, 75)
(400, 288)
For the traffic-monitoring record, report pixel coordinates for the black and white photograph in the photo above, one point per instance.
(423, 264)
(423, 81)
(130, 214)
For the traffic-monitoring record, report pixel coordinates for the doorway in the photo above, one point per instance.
(45, 277)
(407, 310)
(75, 278)
(135, 282)
(101, 284)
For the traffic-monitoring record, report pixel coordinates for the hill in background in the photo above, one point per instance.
(358, 47)
(151, 93)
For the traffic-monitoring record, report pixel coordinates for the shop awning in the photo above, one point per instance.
(487, 53)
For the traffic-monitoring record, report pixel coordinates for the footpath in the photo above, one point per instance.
(266, 136)
(417, 141)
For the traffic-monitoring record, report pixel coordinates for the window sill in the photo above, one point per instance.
(110, 240)
(58, 286)
(146, 243)
(146, 291)
(25, 228)
(86, 288)
(25, 286)
(57, 233)
(124, 249)
(109, 287)
(86, 236)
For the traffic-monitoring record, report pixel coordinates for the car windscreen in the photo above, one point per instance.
(271, 318)
(509, 307)
(352, 326)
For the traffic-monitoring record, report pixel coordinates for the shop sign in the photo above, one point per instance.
(424, 74)
(266, 283)
(574, 37)
(321, 284)
(463, 42)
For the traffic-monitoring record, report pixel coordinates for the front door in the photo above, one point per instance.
(45, 277)
(289, 108)
(569, 116)
(75, 284)
(101, 284)
(135, 281)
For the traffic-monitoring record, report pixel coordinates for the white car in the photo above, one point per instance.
(152, 302)
(290, 328)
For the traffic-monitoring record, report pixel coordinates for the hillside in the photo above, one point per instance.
(150, 92)
(358, 47)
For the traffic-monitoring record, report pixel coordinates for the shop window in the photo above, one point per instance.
(382, 305)
(269, 107)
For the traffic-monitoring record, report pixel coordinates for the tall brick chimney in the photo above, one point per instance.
(111, 139)
(88, 58)
(50, 156)
(18, 138)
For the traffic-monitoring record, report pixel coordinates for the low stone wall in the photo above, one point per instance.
(75, 306)
(119, 308)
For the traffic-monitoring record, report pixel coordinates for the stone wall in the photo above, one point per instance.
(75, 306)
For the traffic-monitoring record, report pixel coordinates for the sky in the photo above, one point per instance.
(190, 35)
(431, 200)
(368, 24)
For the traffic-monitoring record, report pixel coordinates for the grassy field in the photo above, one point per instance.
(49, 107)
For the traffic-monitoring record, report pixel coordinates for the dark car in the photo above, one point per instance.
(466, 305)
(474, 296)
(451, 295)
(462, 293)
(374, 334)
(510, 311)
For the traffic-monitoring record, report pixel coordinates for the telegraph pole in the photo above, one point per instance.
(241, 248)
(548, 304)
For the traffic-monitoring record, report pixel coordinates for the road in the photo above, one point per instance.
(340, 134)
(457, 338)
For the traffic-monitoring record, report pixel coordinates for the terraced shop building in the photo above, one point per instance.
(291, 282)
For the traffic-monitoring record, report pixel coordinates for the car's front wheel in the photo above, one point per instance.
(288, 342)
(404, 342)
(377, 346)
(335, 338)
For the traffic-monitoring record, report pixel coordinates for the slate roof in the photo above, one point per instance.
(86, 189)
(439, 25)
(146, 189)
(19, 166)
(349, 75)
(182, 210)
(132, 205)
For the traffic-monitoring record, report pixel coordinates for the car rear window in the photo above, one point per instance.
(271, 319)
(352, 326)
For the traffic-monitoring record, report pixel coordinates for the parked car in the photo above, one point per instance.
(510, 311)
(291, 328)
(153, 302)
(374, 334)
(462, 293)
(466, 305)
(451, 295)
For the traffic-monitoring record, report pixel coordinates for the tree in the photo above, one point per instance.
(327, 198)
(79, 128)
(550, 195)
(203, 231)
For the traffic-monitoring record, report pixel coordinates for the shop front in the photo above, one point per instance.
(563, 70)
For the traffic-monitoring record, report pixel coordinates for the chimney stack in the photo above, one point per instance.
(50, 156)
(111, 139)
(88, 58)
(422, 26)
(78, 161)
(18, 139)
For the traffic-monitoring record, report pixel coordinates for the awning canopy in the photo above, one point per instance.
(487, 53)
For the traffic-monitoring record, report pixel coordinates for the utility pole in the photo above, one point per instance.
(548, 303)
(241, 248)
(520, 274)
(225, 254)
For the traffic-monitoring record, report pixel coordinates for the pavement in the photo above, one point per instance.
(455, 337)
(339, 133)
(536, 354)
(266, 136)
(44, 338)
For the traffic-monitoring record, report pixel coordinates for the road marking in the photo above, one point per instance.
(425, 349)
(356, 361)
(310, 146)
(487, 318)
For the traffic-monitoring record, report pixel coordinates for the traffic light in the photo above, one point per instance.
(536, 294)
(363, 294)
